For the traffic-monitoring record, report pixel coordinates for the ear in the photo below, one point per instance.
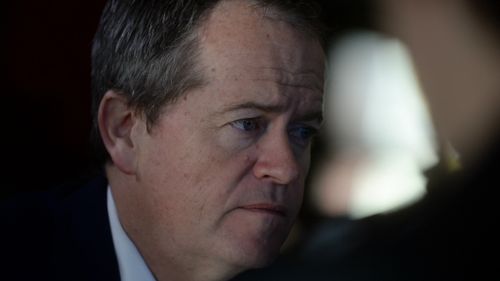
(116, 121)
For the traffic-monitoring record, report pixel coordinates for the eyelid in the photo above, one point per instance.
(309, 124)
(258, 120)
(312, 132)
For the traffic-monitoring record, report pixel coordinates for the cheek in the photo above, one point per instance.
(166, 172)
(201, 175)
(295, 196)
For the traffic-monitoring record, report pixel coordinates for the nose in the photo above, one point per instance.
(276, 160)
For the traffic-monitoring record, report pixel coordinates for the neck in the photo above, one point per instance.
(165, 267)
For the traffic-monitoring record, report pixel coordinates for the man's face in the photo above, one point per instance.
(221, 174)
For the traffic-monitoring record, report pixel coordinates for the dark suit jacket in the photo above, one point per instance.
(58, 235)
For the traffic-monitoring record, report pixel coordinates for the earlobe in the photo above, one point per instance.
(116, 120)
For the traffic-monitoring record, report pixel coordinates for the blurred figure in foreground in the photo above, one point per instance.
(382, 134)
(450, 234)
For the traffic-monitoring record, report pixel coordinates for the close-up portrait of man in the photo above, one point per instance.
(203, 117)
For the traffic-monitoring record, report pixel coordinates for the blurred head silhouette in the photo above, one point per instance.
(455, 46)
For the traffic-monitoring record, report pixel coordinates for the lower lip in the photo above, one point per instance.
(265, 211)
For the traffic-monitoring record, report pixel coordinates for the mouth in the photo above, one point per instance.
(270, 209)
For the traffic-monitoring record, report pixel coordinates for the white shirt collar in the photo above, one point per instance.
(130, 262)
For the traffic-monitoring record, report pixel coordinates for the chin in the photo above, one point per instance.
(252, 261)
(264, 262)
(253, 241)
(257, 254)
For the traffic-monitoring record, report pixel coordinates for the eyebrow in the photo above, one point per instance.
(254, 105)
(316, 116)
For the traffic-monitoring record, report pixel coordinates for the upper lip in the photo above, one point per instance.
(269, 207)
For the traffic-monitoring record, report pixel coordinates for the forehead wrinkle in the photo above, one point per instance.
(264, 107)
(307, 79)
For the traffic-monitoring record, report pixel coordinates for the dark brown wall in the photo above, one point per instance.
(45, 91)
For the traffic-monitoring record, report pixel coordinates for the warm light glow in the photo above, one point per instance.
(376, 106)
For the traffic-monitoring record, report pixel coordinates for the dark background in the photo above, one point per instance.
(45, 95)
(45, 109)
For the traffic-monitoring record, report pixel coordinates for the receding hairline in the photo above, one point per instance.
(267, 11)
(194, 38)
(271, 11)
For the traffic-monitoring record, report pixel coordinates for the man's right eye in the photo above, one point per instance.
(248, 125)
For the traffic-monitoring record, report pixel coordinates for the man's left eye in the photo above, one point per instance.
(303, 134)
